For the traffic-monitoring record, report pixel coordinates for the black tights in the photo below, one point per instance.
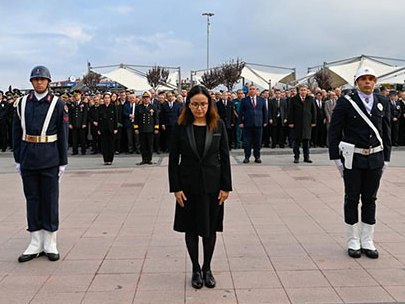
(208, 246)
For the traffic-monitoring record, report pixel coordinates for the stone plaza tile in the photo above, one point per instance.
(114, 282)
(22, 284)
(93, 248)
(121, 266)
(255, 280)
(11, 297)
(210, 296)
(158, 296)
(167, 251)
(166, 264)
(262, 296)
(67, 283)
(316, 295)
(389, 277)
(108, 297)
(251, 263)
(349, 278)
(374, 294)
(303, 279)
(75, 267)
(58, 298)
(162, 281)
(397, 292)
(293, 263)
(343, 261)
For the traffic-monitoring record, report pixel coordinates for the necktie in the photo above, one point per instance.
(254, 102)
(170, 105)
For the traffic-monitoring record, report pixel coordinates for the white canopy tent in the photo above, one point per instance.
(343, 71)
(395, 77)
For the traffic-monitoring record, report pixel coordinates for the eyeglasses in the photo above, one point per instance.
(197, 105)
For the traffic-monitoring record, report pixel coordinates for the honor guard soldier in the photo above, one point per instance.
(4, 114)
(78, 111)
(146, 124)
(360, 145)
(40, 129)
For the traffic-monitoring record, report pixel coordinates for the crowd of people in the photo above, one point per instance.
(140, 130)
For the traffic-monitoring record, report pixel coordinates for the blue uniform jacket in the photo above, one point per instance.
(35, 156)
(348, 126)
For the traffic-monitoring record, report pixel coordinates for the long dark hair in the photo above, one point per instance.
(187, 118)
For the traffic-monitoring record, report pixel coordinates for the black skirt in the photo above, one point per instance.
(201, 214)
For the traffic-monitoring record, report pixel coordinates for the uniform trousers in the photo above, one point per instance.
(252, 137)
(3, 135)
(146, 141)
(41, 190)
(79, 136)
(361, 184)
(277, 134)
(395, 132)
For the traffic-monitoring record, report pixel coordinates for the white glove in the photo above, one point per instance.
(18, 168)
(61, 171)
(339, 166)
(385, 165)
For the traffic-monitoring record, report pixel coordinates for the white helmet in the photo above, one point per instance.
(364, 71)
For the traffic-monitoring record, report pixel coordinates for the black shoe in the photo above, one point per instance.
(149, 162)
(158, 152)
(94, 152)
(28, 257)
(141, 163)
(83, 152)
(196, 280)
(75, 153)
(53, 256)
(353, 253)
(372, 254)
(296, 161)
(307, 160)
(246, 161)
(209, 279)
(258, 161)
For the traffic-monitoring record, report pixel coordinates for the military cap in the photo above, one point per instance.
(146, 94)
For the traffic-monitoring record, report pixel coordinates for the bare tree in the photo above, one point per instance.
(211, 78)
(156, 76)
(231, 72)
(91, 79)
(323, 79)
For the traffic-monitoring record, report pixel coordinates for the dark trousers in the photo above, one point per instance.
(401, 136)
(305, 148)
(146, 141)
(156, 143)
(252, 137)
(107, 146)
(361, 184)
(129, 131)
(3, 136)
(266, 135)
(277, 134)
(118, 140)
(167, 139)
(78, 136)
(395, 132)
(41, 189)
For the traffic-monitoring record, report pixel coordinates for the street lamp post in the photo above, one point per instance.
(208, 37)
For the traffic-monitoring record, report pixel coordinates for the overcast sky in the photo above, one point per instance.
(64, 35)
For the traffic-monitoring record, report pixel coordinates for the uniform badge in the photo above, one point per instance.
(380, 107)
(398, 107)
(151, 112)
(65, 107)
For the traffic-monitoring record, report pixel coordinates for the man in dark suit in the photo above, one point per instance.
(301, 118)
(278, 119)
(226, 111)
(252, 117)
(268, 129)
(170, 112)
(366, 150)
(395, 116)
(319, 131)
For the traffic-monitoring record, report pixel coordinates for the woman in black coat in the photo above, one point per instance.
(107, 128)
(200, 178)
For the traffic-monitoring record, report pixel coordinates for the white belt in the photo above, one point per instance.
(40, 139)
(368, 151)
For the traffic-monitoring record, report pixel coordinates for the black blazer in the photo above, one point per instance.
(348, 126)
(107, 118)
(187, 169)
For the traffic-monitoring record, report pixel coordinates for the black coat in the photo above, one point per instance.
(78, 114)
(227, 113)
(302, 115)
(187, 169)
(348, 126)
(146, 118)
(107, 118)
(169, 116)
(273, 111)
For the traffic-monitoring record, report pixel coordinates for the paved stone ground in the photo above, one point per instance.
(283, 240)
